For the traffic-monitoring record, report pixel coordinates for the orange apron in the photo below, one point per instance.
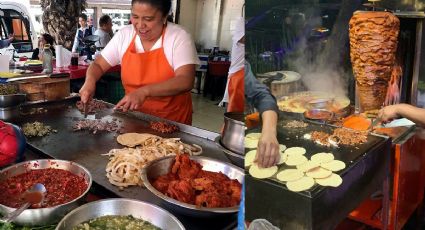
(151, 67)
(237, 92)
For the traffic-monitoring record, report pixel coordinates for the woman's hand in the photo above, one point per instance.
(133, 100)
(267, 151)
(87, 91)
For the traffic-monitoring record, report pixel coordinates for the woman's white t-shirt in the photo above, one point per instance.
(179, 47)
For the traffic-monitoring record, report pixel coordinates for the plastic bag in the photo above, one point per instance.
(262, 224)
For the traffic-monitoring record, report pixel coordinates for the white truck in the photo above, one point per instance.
(16, 19)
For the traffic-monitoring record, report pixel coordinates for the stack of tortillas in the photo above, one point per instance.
(319, 169)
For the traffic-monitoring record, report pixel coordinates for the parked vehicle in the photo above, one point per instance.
(16, 19)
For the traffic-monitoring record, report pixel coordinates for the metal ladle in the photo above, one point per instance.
(35, 195)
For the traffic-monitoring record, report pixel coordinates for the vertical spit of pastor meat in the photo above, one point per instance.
(373, 45)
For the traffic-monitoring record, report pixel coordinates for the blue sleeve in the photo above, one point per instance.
(257, 94)
(4, 43)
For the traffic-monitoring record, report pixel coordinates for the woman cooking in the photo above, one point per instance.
(157, 64)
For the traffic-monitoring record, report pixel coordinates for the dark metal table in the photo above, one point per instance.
(319, 207)
(86, 149)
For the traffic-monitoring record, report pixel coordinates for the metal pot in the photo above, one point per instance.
(138, 209)
(10, 113)
(235, 158)
(11, 100)
(233, 135)
(45, 216)
(162, 166)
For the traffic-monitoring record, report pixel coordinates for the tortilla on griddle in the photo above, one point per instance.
(334, 165)
(294, 160)
(333, 180)
(318, 173)
(262, 173)
(133, 139)
(250, 157)
(295, 151)
(322, 157)
(251, 143)
(289, 175)
(301, 184)
(255, 136)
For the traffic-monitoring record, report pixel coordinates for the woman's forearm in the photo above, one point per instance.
(94, 72)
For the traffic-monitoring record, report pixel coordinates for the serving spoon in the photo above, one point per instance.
(35, 195)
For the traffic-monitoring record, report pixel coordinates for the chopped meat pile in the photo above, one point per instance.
(188, 183)
(295, 124)
(96, 125)
(373, 45)
(320, 137)
(163, 127)
(348, 136)
(93, 106)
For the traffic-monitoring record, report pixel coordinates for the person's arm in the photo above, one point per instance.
(268, 146)
(182, 82)
(415, 114)
(75, 45)
(259, 95)
(94, 73)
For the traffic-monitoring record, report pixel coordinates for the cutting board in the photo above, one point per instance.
(46, 89)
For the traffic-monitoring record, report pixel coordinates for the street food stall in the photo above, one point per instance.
(347, 72)
(57, 133)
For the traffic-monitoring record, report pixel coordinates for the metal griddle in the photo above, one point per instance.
(86, 149)
(320, 207)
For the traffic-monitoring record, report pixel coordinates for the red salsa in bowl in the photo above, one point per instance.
(62, 187)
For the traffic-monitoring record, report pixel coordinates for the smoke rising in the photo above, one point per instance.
(324, 63)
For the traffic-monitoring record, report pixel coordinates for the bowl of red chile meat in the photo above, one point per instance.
(66, 184)
(195, 186)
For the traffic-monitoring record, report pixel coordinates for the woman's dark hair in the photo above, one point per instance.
(163, 5)
(83, 16)
(104, 20)
(48, 38)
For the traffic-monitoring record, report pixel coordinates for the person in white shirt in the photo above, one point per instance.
(158, 62)
(104, 32)
(82, 32)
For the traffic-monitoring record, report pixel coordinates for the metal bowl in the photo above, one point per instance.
(162, 166)
(235, 158)
(11, 100)
(318, 114)
(321, 103)
(138, 209)
(10, 113)
(233, 132)
(45, 216)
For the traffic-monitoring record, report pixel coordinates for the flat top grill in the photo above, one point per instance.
(319, 207)
(86, 148)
